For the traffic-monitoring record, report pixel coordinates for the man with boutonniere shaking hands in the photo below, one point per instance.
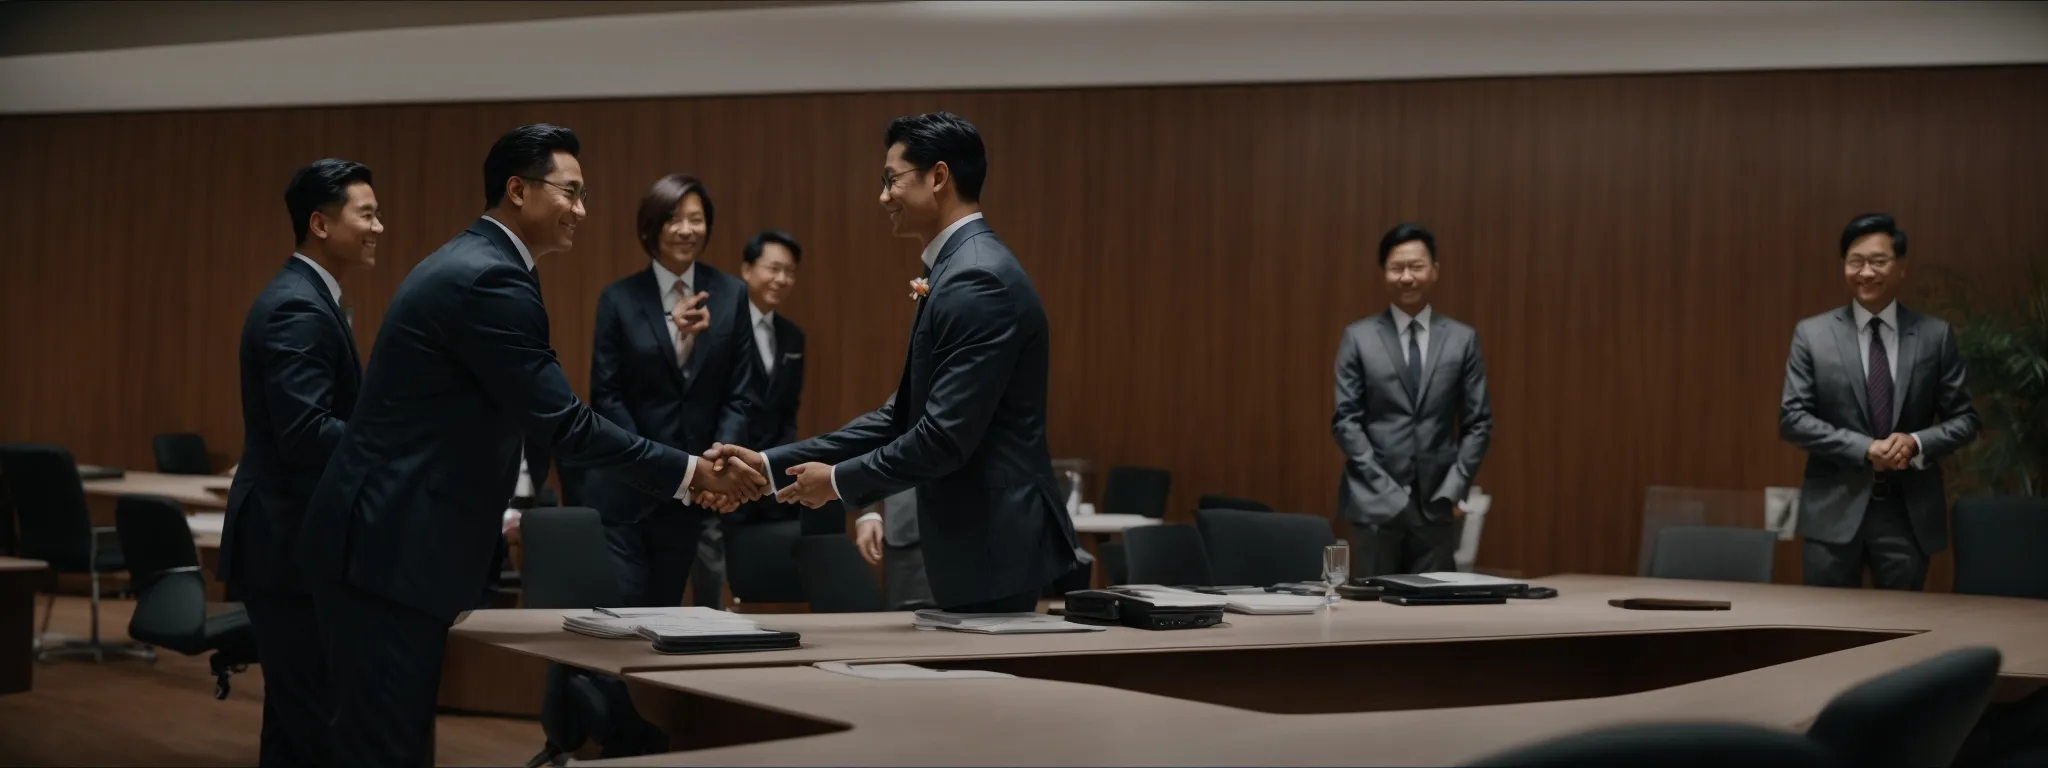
(966, 425)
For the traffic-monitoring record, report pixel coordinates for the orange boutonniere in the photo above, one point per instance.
(919, 288)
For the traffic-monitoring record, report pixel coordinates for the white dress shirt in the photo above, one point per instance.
(333, 287)
(1888, 326)
(689, 471)
(764, 335)
(1403, 323)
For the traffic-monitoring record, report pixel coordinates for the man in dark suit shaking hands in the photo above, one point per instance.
(299, 377)
(1875, 394)
(966, 427)
(400, 535)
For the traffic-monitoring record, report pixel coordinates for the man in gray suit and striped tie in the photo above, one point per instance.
(1412, 419)
(1875, 395)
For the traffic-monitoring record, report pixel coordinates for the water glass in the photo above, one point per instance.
(1336, 569)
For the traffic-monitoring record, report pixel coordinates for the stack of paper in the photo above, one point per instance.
(1469, 579)
(908, 672)
(657, 623)
(1260, 603)
(998, 623)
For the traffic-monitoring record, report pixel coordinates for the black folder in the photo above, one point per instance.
(771, 640)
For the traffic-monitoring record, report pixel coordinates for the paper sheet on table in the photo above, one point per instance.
(908, 672)
(998, 623)
(1470, 579)
(1260, 604)
(654, 623)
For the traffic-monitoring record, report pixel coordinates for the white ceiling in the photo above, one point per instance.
(1005, 44)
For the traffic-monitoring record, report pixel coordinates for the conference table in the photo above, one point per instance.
(19, 579)
(1363, 683)
(203, 497)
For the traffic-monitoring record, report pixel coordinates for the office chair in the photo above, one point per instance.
(1914, 717)
(181, 453)
(1998, 546)
(566, 564)
(1714, 553)
(49, 502)
(171, 610)
(1670, 745)
(760, 562)
(1217, 501)
(835, 578)
(1131, 491)
(1263, 548)
(1167, 555)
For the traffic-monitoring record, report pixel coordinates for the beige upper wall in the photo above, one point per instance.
(899, 46)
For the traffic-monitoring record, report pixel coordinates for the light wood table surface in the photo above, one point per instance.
(208, 492)
(1366, 683)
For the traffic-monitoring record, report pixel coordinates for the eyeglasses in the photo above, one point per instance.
(890, 177)
(576, 193)
(1878, 263)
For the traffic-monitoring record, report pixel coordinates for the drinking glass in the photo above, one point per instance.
(1336, 569)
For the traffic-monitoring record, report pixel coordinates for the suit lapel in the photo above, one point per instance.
(1432, 356)
(705, 277)
(933, 276)
(647, 294)
(1908, 352)
(319, 287)
(785, 345)
(1391, 339)
(1848, 345)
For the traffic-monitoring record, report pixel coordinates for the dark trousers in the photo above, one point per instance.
(384, 666)
(903, 578)
(1884, 543)
(296, 705)
(654, 556)
(1406, 544)
(1022, 602)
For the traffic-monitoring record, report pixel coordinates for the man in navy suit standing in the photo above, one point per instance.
(966, 426)
(402, 528)
(299, 377)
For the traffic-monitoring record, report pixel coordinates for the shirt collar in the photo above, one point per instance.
(758, 314)
(931, 249)
(524, 255)
(333, 288)
(1401, 318)
(1890, 314)
(666, 280)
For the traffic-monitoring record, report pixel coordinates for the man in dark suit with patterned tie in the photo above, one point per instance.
(1876, 396)
(300, 371)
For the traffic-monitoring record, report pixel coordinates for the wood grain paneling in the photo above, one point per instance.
(1633, 251)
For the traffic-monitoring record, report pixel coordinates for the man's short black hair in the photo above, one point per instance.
(942, 137)
(1407, 233)
(322, 184)
(1874, 224)
(527, 151)
(752, 252)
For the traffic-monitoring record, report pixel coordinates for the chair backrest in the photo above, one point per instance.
(1911, 718)
(1705, 745)
(1668, 506)
(835, 578)
(181, 453)
(1136, 491)
(49, 502)
(1263, 548)
(1714, 553)
(1217, 501)
(1166, 554)
(1998, 546)
(565, 561)
(760, 562)
(170, 594)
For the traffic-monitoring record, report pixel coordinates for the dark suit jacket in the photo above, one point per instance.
(411, 504)
(779, 395)
(966, 428)
(635, 382)
(1395, 446)
(299, 378)
(1823, 411)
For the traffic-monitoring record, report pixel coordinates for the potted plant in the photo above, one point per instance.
(2004, 341)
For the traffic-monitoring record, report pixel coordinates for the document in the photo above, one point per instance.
(656, 623)
(1469, 579)
(908, 672)
(998, 623)
(1261, 603)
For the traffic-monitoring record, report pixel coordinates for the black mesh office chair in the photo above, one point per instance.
(181, 453)
(1263, 548)
(835, 578)
(1168, 555)
(760, 562)
(1216, 501)
(1911, 718)
(1713, 553)
(1670, 745)
(565, 564)
(171, 610)
(1136, 491)
(49, 502)
(1998, 543)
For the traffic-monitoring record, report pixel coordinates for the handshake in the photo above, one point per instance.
(729, 475)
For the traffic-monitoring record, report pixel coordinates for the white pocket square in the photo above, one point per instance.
(793, 356)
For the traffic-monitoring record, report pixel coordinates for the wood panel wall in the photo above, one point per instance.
(1632, 250)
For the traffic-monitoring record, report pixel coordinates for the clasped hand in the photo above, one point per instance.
(723, 484)
(812, 488)
(1893, 453)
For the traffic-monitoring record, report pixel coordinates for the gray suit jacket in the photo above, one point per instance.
(899, 519)
(1823, 413)
(1395, 447)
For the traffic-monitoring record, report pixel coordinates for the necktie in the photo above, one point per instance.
(684, 341)
(1411, 373)
(1879, 382)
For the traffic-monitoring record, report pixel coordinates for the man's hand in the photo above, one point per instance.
(813, 486)
(690, 316)
(867, 537)
(1892, 453)
(725, 485)
(720, 453)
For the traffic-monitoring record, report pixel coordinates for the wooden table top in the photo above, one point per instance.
(1046, 722)
(198, 491)
(19, 564)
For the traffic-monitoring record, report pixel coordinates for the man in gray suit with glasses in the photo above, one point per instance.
(1875, 395)
(1412, 419)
